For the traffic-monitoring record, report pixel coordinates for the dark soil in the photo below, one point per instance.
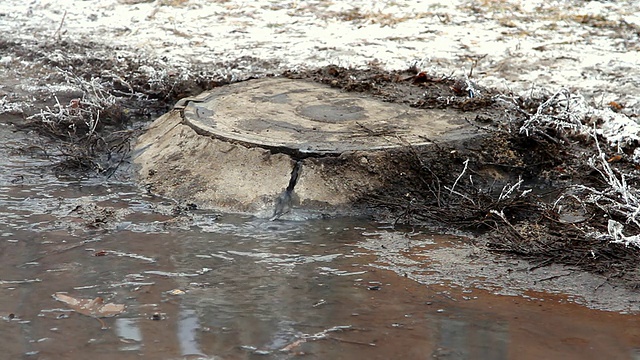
(458, 188)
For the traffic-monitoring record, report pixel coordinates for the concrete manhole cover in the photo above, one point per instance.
(307, 118)
(265, 146)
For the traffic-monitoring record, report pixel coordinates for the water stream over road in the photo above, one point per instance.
(199, 284)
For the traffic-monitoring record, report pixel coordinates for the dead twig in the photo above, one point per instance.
(554, 277)
(58, 33)
(350, 341)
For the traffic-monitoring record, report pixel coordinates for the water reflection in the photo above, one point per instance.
(464, 339)
(127, 329)
(236, 287)
(188, 325)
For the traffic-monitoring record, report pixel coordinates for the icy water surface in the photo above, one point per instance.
(234, 287)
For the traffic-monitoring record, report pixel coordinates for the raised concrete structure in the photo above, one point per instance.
(262, 146)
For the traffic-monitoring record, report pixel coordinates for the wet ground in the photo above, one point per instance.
(198, 284)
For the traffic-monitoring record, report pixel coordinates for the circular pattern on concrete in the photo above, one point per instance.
(305, 118)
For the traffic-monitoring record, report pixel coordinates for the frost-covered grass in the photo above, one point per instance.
(619, 197)
(82, 115)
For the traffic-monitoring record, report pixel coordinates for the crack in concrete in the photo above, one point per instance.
(284, 201)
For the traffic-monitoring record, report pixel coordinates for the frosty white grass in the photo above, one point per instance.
(86, 110)
(568, 112)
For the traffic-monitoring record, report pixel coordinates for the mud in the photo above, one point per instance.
(437, 260)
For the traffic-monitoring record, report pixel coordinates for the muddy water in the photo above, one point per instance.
(232, 287)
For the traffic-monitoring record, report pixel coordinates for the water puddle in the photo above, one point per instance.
(205, 285)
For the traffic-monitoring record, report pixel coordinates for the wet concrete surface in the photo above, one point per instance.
(199, 284)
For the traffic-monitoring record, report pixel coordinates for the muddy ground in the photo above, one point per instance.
(549, 164)
(56, 91)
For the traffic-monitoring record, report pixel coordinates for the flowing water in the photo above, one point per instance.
(215, 286)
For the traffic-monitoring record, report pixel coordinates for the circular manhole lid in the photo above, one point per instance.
(308, 118)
